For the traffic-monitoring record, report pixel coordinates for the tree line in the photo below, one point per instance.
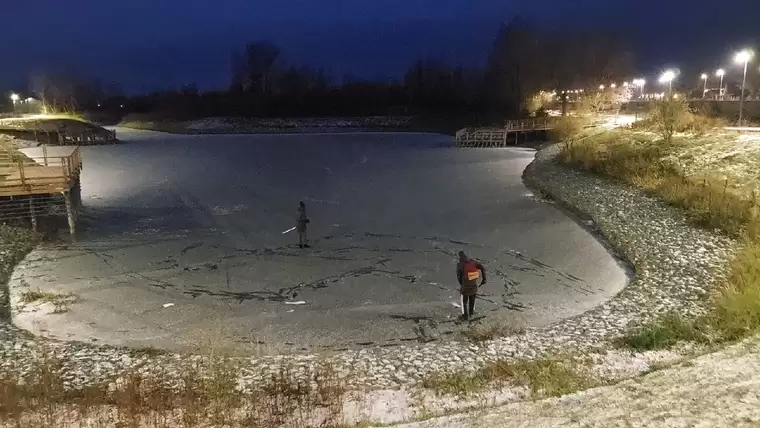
(524, 59)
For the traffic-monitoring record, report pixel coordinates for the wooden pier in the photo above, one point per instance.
(39, 182)
(508, 134)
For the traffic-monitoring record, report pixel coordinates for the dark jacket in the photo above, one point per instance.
(469, 287)
(301, 220)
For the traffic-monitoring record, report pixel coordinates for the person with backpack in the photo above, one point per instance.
(469, 273)
(301, 222)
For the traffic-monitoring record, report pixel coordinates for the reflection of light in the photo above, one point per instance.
(30, 99)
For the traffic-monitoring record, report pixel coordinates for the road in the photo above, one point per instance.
(182, 244)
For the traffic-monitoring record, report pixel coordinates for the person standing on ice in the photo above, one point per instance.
(301, 224)
(469, 272)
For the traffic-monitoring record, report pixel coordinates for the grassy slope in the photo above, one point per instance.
(706, 176)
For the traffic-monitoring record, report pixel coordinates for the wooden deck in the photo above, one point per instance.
(500, 137)
(41, 170)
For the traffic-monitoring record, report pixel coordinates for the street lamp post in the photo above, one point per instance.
(14, 98)
(743, 57)
(704, 89)
(720, 73)
(667, 77)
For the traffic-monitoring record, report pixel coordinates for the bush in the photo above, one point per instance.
(567, 129)
(669, 115)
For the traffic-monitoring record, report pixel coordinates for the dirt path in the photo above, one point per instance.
(715, 390)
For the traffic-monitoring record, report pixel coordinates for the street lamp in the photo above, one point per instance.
(601, 87)
(720, 73)
(640, 83)
(14, 98)
(704, 90)
(667, 77)
(613, 86)
(743, 57)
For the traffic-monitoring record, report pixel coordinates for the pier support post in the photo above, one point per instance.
(70, 213)
(32, 213)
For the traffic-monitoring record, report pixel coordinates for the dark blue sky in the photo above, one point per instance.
(150, 44)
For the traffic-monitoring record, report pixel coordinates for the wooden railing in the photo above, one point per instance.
(39, 174)
(533, 124)
(497, 137)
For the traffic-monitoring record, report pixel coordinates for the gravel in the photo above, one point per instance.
(677, 266)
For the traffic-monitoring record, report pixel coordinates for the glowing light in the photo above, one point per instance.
(744, 56)
(601, 87)
(703, 76)
(667, 76)
(613, 86)
(720, 73)
(15, 97)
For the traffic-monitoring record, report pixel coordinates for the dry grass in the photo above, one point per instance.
(661, 334)
(203, 393)
(492, 328)
(637, 160)
(736, 312)
(545, 377)
(60, 301)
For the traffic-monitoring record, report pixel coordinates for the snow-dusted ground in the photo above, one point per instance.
(6, 141)
(727, 155)
(720, 390)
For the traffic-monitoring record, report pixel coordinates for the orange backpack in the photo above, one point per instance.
(471, 271)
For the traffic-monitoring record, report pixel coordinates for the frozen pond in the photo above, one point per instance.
(182, 243)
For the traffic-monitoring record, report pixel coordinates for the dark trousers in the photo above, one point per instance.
(303, 238)
(468, 305)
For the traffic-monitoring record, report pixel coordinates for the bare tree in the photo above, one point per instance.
(65, 92)
(251, 69)
(525, 60)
